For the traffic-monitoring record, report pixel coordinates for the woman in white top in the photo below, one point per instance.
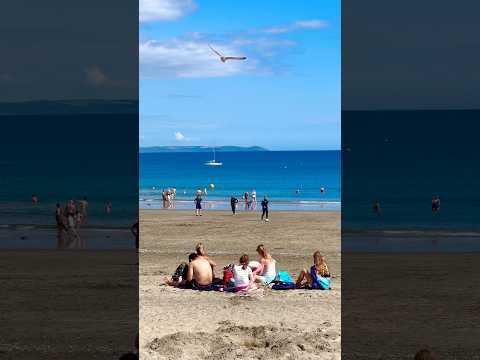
(266, 272)
(243, 276)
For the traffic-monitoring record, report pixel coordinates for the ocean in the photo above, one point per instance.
(63, 157)
(290, 179)
(403, 159)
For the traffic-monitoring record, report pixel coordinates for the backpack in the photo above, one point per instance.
(180, 271)
(227, 275)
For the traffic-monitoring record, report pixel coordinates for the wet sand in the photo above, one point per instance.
(264, 324)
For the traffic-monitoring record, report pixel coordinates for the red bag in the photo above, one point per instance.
(227, 275)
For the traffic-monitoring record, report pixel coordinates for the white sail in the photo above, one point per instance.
(214, 161)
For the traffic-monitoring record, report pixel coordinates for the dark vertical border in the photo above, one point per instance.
(69, 129)
(409, 134)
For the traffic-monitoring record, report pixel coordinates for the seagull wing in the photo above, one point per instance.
(235, 58)
(215, 51)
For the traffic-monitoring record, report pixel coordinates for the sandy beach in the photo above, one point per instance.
(67, 304)
(264, 324)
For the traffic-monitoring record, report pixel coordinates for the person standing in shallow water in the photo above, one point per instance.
(435, 204)
(83, 205)
(198, 205)
(264, 204)
(61, 227)
(233, 204)
(376, 207)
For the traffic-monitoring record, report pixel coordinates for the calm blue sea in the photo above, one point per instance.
(291, 179)
(403, 159)
(62, 157)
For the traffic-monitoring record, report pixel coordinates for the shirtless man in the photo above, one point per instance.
(200, 273)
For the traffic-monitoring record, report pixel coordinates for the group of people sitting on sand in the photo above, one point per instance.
(199, 272)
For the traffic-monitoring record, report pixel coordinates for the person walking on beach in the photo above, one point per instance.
(34, 199)
(198, 205)
(78, 222)
(233, 204)
(254, 199)
(435, 204)
(376, 207)
(73, 237)
(108, 207)
(61, 227)
(264, 204)
(83, 205)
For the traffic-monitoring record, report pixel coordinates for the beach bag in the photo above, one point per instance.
(227, 275)
(180, 271)
(284, 277)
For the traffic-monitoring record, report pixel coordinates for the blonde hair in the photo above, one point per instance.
(200, 249)
(320, 264)
(318, 258)
(262, 250)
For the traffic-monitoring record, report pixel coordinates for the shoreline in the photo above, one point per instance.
(224, 205)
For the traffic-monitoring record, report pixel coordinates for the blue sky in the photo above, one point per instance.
(285, 96)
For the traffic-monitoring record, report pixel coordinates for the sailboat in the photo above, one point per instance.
(213, 162)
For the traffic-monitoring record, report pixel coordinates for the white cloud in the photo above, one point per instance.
(189, 58)
(298, 25)
(96, 77)
(165, 10)
(179, 136)
(311, 24)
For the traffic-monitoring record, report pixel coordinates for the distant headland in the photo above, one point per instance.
(163, 149)
(69, 107)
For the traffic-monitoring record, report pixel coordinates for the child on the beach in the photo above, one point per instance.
(243, 275)
(265, 273)
(179, 277)
(318, 270)
(198, 205)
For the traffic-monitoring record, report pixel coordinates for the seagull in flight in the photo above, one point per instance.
(225, 58)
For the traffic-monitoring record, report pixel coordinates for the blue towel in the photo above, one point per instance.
(284, 277)
(319, 282)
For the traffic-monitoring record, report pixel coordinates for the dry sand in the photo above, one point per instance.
(68, 304)
(264, 324)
